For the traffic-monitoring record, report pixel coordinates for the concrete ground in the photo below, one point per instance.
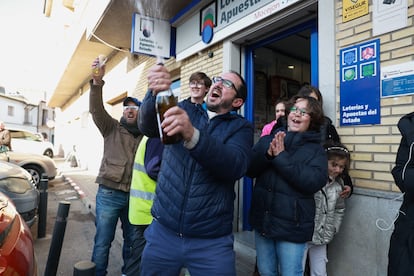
(77, 242)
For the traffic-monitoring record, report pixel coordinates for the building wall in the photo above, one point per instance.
(18, 120)
(361, 247)
(362, 244)
(374, 147)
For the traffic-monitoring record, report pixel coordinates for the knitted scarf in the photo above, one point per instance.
(132, 128)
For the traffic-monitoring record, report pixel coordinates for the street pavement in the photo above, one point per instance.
(77, 187)
(80, 228)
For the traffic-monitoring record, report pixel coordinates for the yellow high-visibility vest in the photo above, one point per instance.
(142, 191)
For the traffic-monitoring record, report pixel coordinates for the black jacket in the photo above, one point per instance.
(403, 172)
(283, 205)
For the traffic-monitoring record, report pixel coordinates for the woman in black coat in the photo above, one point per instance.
(289, 167)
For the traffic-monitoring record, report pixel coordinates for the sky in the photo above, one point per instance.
(26, 47)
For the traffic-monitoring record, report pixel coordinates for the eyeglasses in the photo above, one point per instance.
(300, 111)
(226, 83)
(130, 107)
(196, 84)
(337, 149)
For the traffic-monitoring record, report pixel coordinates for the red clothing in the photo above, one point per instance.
(268, 128)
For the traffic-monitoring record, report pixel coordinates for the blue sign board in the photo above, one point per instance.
(360, 84)
(398, 80)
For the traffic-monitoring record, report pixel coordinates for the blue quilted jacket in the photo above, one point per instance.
(195, 190)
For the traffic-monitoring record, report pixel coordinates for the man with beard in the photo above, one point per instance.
(121, 139)
(146, 168)
(193, 206)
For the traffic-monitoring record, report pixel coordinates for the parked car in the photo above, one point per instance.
(35, 164)
(29, 142)
(16, 242)
(18, 185)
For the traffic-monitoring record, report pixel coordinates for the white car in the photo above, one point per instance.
(35, 164)
(29, 142)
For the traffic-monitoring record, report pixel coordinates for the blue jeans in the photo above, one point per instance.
(133, 267)
(166, 252)
(276, 257)
(110, 205)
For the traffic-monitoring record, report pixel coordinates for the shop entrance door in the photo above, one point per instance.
(276, 68)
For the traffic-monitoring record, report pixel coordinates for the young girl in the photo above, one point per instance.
(330, 208)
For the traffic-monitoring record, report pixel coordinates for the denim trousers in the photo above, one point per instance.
(111, 205)
(133, 267)
(166, 253)
(275, 257)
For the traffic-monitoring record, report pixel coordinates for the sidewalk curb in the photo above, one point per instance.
(89, 203)
(84, 197)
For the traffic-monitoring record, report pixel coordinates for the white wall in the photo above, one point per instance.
(361, 246)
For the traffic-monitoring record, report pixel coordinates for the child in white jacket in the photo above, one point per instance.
(330, 208)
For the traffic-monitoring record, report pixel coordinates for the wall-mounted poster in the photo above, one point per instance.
(359, 71)
(397, 80)
(388, 16)
(352, 9)
(150, 36)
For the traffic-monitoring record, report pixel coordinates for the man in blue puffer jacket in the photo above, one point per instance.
(193, 207)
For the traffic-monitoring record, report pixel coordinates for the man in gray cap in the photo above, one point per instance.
(121, 139)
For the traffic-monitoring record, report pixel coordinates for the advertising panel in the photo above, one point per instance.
(397, 80)
(150, 36)
(360, 84)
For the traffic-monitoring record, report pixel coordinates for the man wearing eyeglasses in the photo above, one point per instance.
(146, 167)
(199, 85)
(121, 139)
(194, 203)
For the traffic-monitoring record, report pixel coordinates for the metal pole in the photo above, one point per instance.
(84, 268)
(43, 194)
(57, 239)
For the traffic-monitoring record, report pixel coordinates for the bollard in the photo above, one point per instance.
(84, 268)
(57, 239)
(42, 209)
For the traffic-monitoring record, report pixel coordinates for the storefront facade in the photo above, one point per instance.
(278, 46)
